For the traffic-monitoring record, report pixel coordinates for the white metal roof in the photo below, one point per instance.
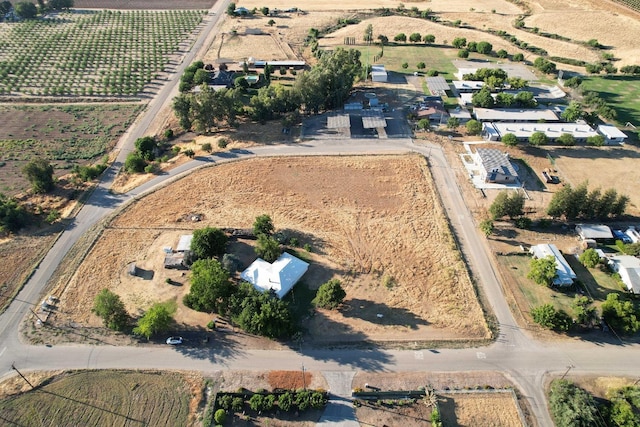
(514, 115)
(378, 68)
(592, 231)
(340, 121)
(280, 276)
(373, 119)
(565, 274)
(467, 85)
(611, 132)
(184, 244)
(552, 130)
(631, 265)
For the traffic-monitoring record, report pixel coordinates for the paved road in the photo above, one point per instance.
(514, 353)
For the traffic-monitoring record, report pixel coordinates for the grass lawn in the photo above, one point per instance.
(435, 58)
(621, 92)
(104, 398)
(596, 282)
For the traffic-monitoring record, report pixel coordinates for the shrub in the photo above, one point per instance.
(595, 140)
(538, 138)
(567, 140)
(510, 140)
(518, 57)
(474, 127)
(548, 317)
(189, 153)
(432, 73)
(223, 142)
(206, 147)
(220, 416)
(463, 53)
(502, 53)
(401, 37)
(134, 163)
(39, 172)
(330, 295)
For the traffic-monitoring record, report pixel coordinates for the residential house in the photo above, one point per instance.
(628, 267)
(495, 166)
(281, 275)
(564, 273)
(612, 135)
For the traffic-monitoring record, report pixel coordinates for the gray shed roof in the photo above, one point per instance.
(373, 119)
(437, 84)
(341, 121)
(496, 160)
(590, 231)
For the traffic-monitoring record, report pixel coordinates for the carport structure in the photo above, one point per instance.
(339, 121)
(374, 120)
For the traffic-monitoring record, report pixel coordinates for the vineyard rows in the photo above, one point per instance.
(90, 53)
(633, 4)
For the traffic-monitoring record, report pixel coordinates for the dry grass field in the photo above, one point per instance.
(369, 220)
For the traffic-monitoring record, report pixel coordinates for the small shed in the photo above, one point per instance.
(378, 73)
(184, 244)
(612, 135)
(175, 261)
(564, 273)
(597, 232)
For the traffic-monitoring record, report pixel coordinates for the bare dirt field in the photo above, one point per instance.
(369, 220)
(473, 408)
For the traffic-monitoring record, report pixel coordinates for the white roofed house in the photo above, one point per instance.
(495, 166)
(564, 273)
(281, 275)
(378, 73)
(597, 232)
(628, 267)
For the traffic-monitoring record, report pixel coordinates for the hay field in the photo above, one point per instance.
(366, 217)
(356, 5)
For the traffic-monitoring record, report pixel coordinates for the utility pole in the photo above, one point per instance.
(37, 317)
(23, 377)
(567, 371)
(304, 381)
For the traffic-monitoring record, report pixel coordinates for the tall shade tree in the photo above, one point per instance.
(507, 204)
(572, 406)
(39, 172)
(26, 10)
(12, 215)
(543, 270)
(210, 287)
(368, 34)
(208, 242)
(267, 248)
(156, 320)
(620, 314)
(108, 306)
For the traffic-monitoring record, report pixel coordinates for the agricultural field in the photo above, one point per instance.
(364, 218)
(395, 55)
(64, 134)
(114, 398)
(143, 4)
(91, 53)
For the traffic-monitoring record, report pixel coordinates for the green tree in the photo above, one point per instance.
(134, 163)
(517, 82)
(330, 295)
(472, 47)
(26, 10)
(263, 225)
(208, 242)
(583, 310)
(538, 138)
(573, 112)
(267, 248)
(483, 98)
(625, 405)
(12, 216)
(424, 124)
(285, 401)
(518, 57)
(262, 313)
(572, 406)
(368, 34)
(264, 10)
(620, 314)
(5, 7)
(545, 65)
(256, 402)
(231, 9)
(548, 317)
(156, 320)
(220, 416)
(463, 53)
(590, 258)
(502, 53)
(559, 202)
(108, 306)
(453, 122)
(595, 140)
(146, 147)
(507, 204)
(543, 270)
(210, 287)
(459, 42)
(39, 172)
(401, 37)
(484, 48)
(384, 40)
(421, 65)
(271, 23)
(567, 140)
(486, 226)
(474, 127)
(415, 37)
(182, 109)
(525, 99)
(509, 140)
(429, 38)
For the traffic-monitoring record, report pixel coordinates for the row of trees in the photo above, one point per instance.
(484, 99)
(573, 203)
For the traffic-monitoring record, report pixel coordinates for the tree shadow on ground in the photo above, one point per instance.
(200, 343)
(380, 314)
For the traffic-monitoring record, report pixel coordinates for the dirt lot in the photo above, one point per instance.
(456, 408)
(365, 220)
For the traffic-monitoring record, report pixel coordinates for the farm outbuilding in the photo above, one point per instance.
(378, 73)
(514, 115)
(594, 232)
(628, 267)
(612, 135)
(494, 131)
(184, 244)
(564, 273)
(281, 276)
(339, 121)
(437, 85)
